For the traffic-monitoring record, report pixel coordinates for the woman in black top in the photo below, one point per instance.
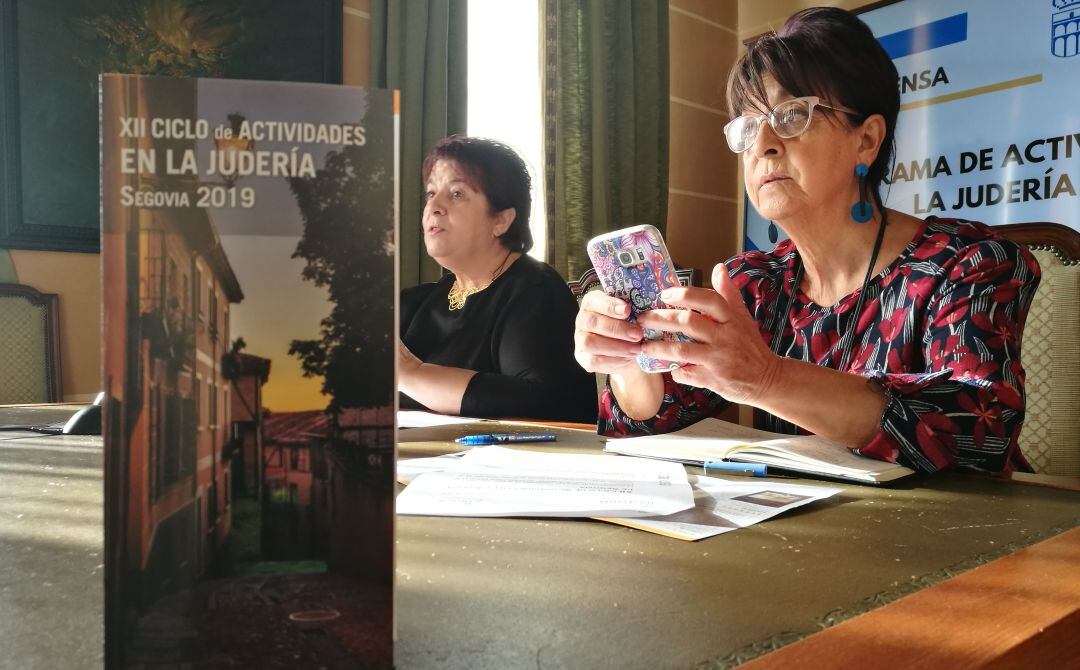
(494, 337)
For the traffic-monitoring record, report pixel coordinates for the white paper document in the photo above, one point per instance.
(713, 440)
(722, 506)
(495, 481)
(408, 418)
(409, 469)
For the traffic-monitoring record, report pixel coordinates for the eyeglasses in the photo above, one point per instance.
(788, 119)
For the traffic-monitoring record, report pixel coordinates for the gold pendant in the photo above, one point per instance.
(457, 296)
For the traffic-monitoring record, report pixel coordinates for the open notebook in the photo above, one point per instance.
(715, 440)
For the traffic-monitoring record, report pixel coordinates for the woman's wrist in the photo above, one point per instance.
(763, 392)
(438, 387)
(638, 393)
(839, 406)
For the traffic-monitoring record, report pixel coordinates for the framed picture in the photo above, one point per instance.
(51, 55)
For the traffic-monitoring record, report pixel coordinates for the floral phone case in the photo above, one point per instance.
(634, 264)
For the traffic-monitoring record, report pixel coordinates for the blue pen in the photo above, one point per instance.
(473, 440)
(729, 468)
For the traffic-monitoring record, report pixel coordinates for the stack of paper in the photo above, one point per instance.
(494, 481)
(714, 440)
(723, 506)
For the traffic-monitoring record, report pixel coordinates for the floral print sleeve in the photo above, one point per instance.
(967, 407)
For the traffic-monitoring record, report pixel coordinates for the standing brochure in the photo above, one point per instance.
(715, 440)
(249, 289)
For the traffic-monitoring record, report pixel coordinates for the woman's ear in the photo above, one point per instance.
(505, 218)
(871, 133)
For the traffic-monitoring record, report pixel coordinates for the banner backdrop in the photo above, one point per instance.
(989, 125)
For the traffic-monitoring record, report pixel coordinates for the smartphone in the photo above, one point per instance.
(634, 264)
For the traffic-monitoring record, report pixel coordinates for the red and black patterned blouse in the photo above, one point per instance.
(940, 330)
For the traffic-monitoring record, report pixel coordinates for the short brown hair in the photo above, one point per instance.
(497, 171)
(830, 53)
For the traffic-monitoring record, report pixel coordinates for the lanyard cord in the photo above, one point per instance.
(849, 333)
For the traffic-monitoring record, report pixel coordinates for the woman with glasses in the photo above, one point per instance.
(896, 337)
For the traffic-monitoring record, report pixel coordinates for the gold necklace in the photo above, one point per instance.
(458, 294)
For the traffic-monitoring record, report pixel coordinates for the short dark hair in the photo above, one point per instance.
(830, 53)
(497, 171)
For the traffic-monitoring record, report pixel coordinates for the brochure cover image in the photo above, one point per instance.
(249, 288)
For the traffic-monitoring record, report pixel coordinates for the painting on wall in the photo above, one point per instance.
(51, 55)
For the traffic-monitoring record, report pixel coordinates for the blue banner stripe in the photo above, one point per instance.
(925, 37)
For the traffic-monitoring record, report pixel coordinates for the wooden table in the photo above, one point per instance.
(1020, 611)
(51, 559)
(520, 593)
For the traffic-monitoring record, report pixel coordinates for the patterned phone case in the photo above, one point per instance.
(637, 279)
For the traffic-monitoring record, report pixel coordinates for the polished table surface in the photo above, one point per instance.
(1021, 611)
(527, 593)
(553, 593)
(51, 560)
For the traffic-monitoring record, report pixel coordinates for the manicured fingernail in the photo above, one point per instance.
(622, 310)
(666, 294)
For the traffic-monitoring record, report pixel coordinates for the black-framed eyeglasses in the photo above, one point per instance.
(788, 119)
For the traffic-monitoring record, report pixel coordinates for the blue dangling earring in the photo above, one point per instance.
(862, 211)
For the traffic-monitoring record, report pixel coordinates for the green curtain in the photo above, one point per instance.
(606, 121)
(419, 48)
(7, 268)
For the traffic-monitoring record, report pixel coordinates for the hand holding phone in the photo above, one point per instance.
(633, 264)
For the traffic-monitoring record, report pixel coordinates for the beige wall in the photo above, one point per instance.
(756, 17)
(703, 224)
(76, 279)
(357, 59)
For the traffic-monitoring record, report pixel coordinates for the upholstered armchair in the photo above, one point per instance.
(1051, 349)
(29, 346)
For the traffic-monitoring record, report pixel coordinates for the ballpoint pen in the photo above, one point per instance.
(505, 438)
(730, 468)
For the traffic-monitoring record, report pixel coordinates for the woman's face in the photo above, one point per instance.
(458, 222)
(812, 174)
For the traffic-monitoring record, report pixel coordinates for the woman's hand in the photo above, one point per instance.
(603, 339)
(728, 355)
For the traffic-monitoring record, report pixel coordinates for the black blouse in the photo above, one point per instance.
(518, 334)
